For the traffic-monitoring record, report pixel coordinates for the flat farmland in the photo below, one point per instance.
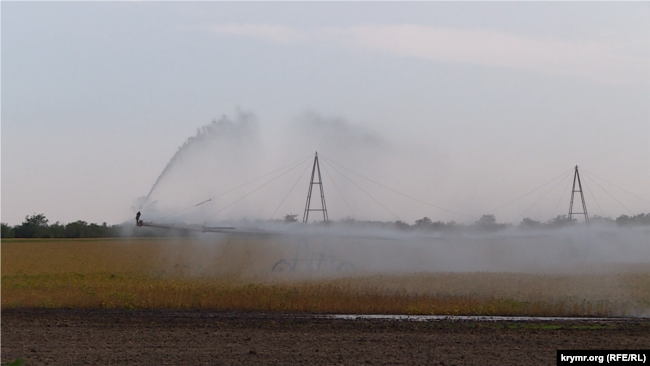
(234, 274)
(206, 302)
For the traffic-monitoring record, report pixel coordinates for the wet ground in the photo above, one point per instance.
(116, 337)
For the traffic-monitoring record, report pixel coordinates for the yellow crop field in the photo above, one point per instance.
(234, 274)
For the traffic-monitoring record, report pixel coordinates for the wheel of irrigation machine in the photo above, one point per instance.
(283, 266)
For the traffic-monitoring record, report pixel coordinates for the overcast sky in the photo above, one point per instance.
(465, 106)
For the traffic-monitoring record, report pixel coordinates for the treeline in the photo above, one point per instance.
(37, 226)
(488, 223)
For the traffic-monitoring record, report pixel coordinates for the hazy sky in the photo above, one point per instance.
(463, 105)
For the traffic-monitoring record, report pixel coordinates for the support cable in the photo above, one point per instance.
(604, 190)
(568, 184)
(338, 190)
(631, 194)
(541, 198)
(534, 190)
(251, 192)
(594, 197)
(236, 188)
(362, 190)
(391, 189)
(291, 190)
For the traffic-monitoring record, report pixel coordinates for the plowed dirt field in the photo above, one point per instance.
(118, 337)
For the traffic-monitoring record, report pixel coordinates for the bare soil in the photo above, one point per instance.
(118, 337)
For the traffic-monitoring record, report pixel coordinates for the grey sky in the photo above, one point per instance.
(469, 104)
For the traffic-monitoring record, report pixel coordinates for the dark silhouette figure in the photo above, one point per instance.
(137, 218)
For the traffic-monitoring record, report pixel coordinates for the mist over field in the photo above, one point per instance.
(319, 252)
(374, 188)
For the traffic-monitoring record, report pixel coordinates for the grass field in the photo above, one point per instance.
(235, 274)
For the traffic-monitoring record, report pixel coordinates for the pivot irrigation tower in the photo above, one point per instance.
(316, 169)
(576, 177)
(306, 259)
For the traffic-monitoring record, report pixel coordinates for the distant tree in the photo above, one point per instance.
(561, 221)
(57, 230)
(36, 220)
(640, 219)
(77, 229)
(98, 231)
(439, 225)
(290, 218)
(602, 220)
(7, 231)
(623, 220)
(488, 223)
(81, 229)
(487, 220)
(114, 230)
(34, 226)
(401, 225)
(423, 223)
(452, 225)
(529, 223)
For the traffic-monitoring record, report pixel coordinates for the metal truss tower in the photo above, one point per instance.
(576, 178)
(316, 169)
